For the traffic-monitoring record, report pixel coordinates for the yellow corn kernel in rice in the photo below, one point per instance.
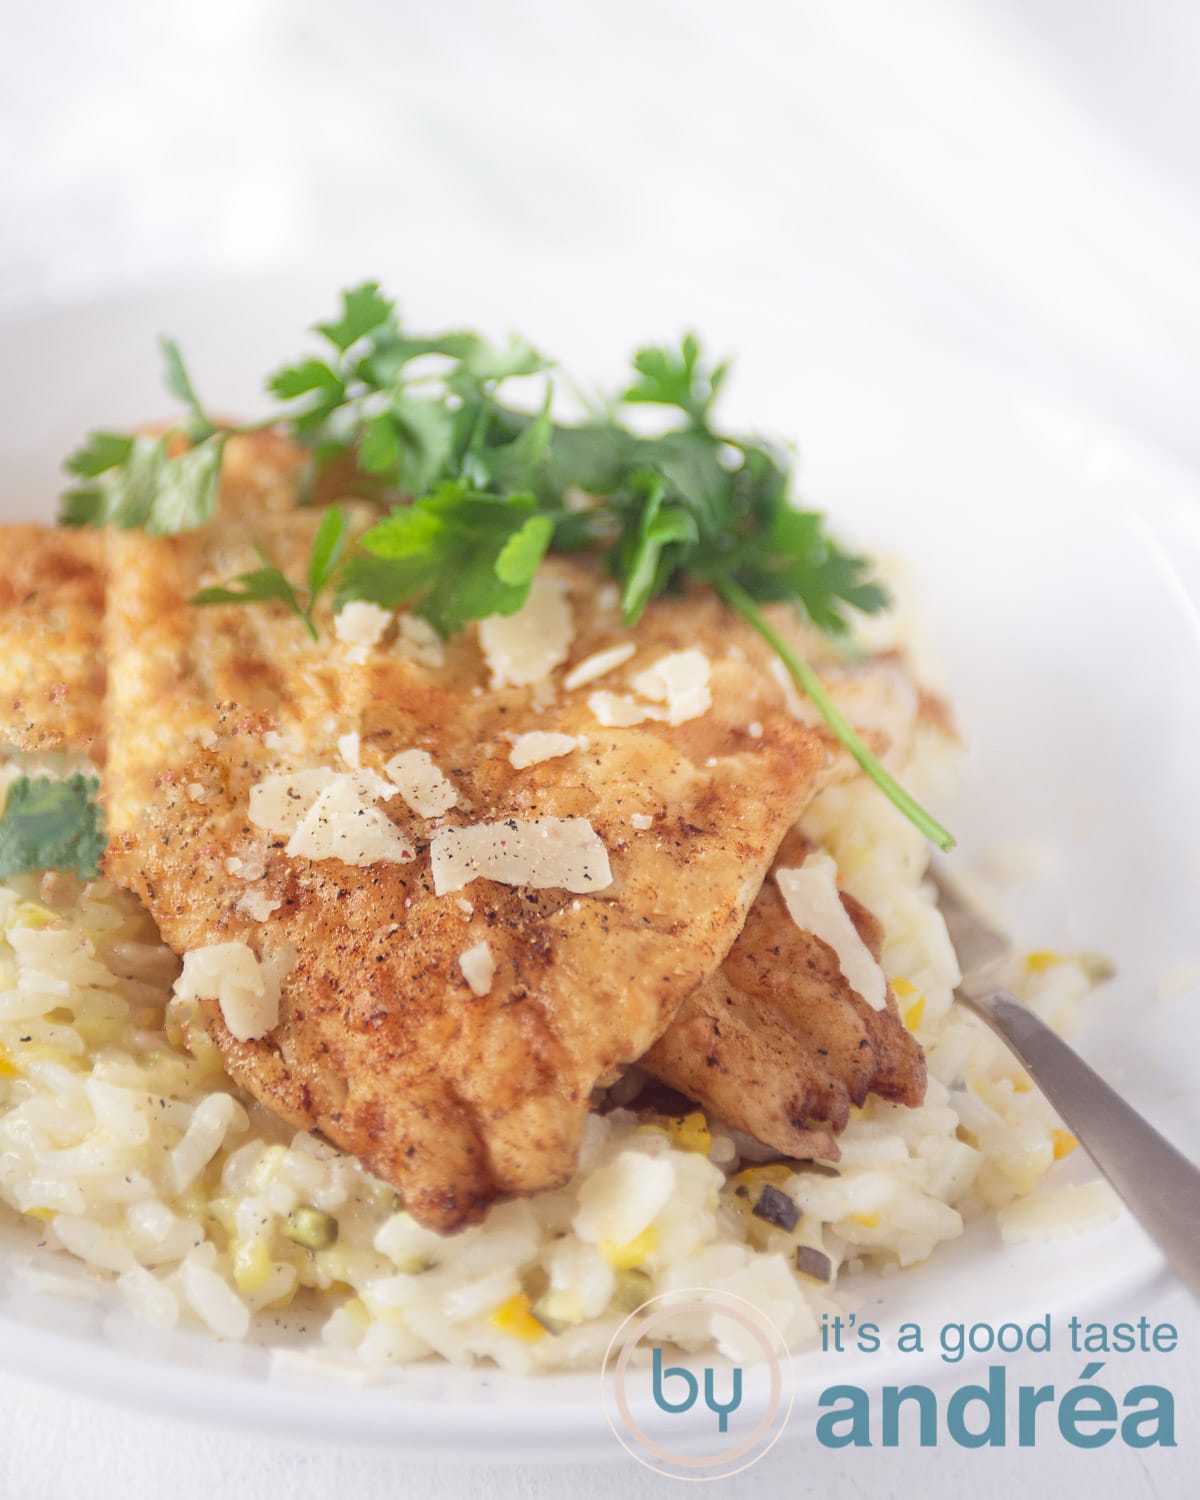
(624, 1257)
(8, 1068)
(45, 1214)
(31, 914)
(1064, 1143)
(514, 1316)
(1021, 1084)
(915, 1013)
(686, 1132)
(251, 1264)
(692, 1133)
(1038, 963)
(774, 1172)
(868, 1221)
(903, 989)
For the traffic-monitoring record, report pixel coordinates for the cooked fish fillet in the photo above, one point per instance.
(51, 628)
(452, 1096)
(777, 1044)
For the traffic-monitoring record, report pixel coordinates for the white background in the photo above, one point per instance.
(1017, 177)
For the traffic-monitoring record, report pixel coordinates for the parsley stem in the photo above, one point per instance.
(737, 598)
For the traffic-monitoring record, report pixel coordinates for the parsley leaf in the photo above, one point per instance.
(102, 451)
(179, 383)
(52, 824)
(364, 309)
(269, 585)
(456, 555)
(670, 379)
(140, 485)
(481, 491)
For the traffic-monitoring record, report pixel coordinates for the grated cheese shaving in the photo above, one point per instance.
(674, 690)
(539, 745)
(543, 853)
(599, 664)
(341, 825)
(420, 783)
(525, 647)
(349, 748)
(418, 640)
(360, 626)
(811, 895)
(615, 711)
(642, 821)
(679, 679)
(258, 905)
(246, 989)
(478, 968)
(279, 803)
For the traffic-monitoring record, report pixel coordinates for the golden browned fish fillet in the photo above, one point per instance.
(777, 1044)
(789, 1052)
(51, 628)
(454, 1097)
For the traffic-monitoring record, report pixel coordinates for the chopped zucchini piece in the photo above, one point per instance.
(311, 1228)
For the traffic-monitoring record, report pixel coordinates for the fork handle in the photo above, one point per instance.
(1161, 1188)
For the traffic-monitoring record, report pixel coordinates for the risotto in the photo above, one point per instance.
(121, 1134)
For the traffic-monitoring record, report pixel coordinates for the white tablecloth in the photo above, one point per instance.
(1015, 177)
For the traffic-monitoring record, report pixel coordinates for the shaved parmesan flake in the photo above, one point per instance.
(360, 626)
(642, 821)
(599, 664)
(418, 640)
(349, 749)
(341, 825)
(544, 853)
(615, 711)
(420, 783)
(811, 895)
(524, 647)
(279, 803)
(478, 968)
(680, 679)
(258, 905)
(246, 990)
(539, 745)
(466, 907)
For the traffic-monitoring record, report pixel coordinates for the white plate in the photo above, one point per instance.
(1058, 566)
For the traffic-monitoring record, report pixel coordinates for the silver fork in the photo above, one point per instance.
(1160, 1187)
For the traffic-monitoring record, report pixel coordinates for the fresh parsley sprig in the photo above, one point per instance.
(52, 823)
(480, 491)
(268, 584)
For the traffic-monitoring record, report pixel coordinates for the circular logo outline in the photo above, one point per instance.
(631, 1333)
